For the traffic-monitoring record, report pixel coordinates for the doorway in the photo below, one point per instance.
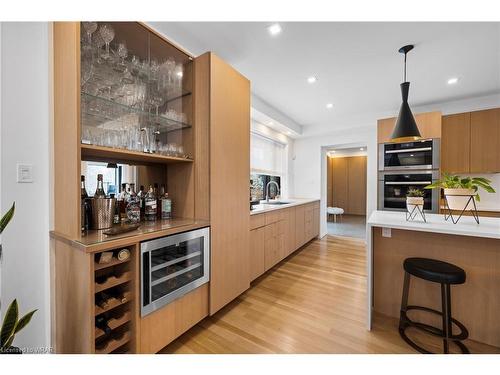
(346, 192)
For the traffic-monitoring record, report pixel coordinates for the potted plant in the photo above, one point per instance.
(458, 190)
(11, 323)
(414, 197)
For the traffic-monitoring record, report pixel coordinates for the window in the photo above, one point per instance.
(268, 161)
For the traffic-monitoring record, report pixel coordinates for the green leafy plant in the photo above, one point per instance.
(11, 322)
(12, 325)
(416, 193)
(5, 220)
(456, 182)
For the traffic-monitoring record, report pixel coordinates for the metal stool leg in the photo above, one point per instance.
(446, 309)
(404, 302)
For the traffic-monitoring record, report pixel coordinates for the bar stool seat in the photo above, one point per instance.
(434, 270)
(445, 274)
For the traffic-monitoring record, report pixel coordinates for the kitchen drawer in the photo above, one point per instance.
(273, 216)
(271, 231)
(308, 215)
(315, 204)
(257, 221)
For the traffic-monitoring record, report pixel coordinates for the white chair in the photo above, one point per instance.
(335, 211)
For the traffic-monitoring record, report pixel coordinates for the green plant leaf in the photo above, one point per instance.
(23, 322)
(9, 323)
(8, 344)
(7, 217)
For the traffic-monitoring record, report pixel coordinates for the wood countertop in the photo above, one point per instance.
(95, 240)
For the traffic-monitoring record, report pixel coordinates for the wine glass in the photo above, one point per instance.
(90, 28)
(122, 53)
(107, 34)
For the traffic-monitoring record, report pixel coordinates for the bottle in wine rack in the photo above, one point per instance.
(103, 300)
(102, 323)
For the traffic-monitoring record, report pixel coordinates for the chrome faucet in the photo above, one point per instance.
(267, 189)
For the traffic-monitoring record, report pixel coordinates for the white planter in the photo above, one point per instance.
(411, 202)
(459, 198)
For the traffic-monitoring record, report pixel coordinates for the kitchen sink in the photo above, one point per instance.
(276, 202)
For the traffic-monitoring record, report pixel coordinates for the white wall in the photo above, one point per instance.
(24, 125)
(309, 158)
(309, 165)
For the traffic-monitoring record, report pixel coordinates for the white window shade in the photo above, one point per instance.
(267, 156)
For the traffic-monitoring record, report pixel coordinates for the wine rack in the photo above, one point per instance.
(114, 310)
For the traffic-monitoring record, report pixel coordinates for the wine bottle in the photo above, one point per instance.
(102, 323)
(102, 300)
(99, 192)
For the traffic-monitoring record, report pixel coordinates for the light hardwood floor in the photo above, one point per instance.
(312, 302)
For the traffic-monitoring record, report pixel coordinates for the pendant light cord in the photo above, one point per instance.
(405, 68)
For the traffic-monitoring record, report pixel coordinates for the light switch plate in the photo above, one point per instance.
(386, 232)
(24, 173)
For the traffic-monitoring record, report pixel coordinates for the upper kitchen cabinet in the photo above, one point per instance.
(429, 125)
(485, 141)
(135, 94)
(456, 143)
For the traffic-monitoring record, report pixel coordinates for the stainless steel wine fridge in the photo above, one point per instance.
(173, 266)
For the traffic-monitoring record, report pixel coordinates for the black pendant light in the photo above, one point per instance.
(406, 129)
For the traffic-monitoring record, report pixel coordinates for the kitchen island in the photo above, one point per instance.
(471, 246)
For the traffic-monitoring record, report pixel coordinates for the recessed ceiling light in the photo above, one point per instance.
(274, 29)
(270, 123)
(362, 149)
(329, 106)
(452, 81)
(311, 79)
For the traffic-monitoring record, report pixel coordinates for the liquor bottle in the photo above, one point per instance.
(123, 203)
(159, 197)
(141, 195)
(133, 209)
(99, 192)
(116, 216)
(166, 207)
(84, 205)
(150, 205)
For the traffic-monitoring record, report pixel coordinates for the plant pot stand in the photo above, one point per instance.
(418, 209)
(455, 219)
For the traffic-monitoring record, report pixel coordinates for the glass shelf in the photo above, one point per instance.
(109, 114)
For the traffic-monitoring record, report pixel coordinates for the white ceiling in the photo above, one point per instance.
(357, 64)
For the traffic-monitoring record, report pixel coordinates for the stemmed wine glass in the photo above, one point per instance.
(107, 34)
(90, 28)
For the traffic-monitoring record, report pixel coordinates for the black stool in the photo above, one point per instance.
(438, 272)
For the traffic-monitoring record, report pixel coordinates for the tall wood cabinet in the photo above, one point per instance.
(471, 142)
(348, 176)
(228, 110)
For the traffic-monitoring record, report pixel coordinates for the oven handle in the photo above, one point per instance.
(409, 150)
(410, 183)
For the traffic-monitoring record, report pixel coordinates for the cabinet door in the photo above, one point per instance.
(356, 185)
(485, 141)
(229, 171)
(428, 123)
(316, 222)
(308, 222)
(290, 232)
(339, 183)
(257, 264)
(271, 245)
(456, 143)
(300, 234)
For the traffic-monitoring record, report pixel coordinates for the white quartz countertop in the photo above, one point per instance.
(488, 227)
(262, 208)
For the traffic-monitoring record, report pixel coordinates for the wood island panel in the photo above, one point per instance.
(476, 303)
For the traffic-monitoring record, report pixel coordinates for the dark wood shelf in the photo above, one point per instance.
(114, 262)
(114, 323)
(114, 281)
(114, 303)
(114, 344)
(117, 155)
